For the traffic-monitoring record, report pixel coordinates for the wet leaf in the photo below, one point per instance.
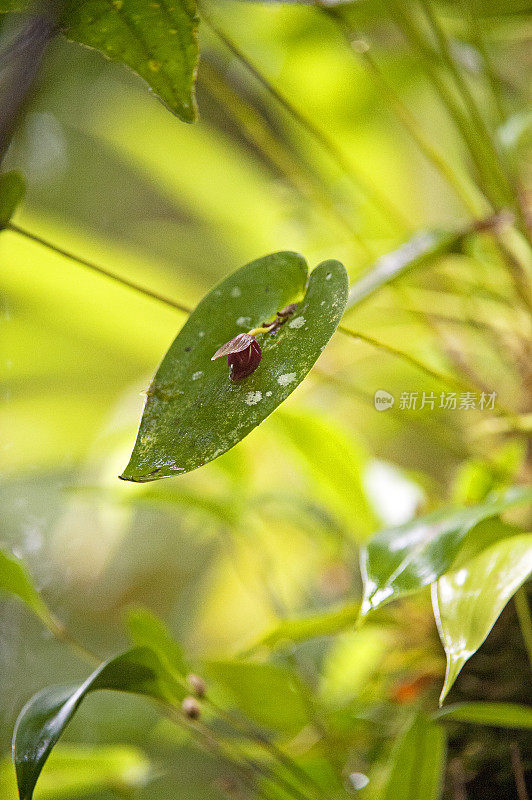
(193, 411)
(468, 601)
(502, 715)
(418, 763)
(44, 718)
(401, 560)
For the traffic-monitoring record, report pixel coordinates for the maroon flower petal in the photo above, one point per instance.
(244, 362)
(241, 342)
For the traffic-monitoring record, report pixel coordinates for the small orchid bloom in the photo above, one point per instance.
(243, 355)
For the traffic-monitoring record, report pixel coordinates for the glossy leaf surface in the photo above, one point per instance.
(401, 560)
(193, 411)
(44, 718)
(468, 601)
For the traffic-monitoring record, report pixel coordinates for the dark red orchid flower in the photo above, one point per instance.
(243, 354)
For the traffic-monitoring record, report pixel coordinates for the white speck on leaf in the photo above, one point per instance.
(252, 398)
(322, 303)
(236, 291)
(197, 375)
(201, 334)
(269, 394)
(284, 380)
(298, 322)
(328, 276)
(244, 321)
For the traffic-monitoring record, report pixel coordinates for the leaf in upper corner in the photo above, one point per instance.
(402, 560)
(74, 771)
(44, 718)
(12, 190)
(193, 411)
(158, 40)
(500, 715)
(468, 601)
(14, 579)
(418, 763)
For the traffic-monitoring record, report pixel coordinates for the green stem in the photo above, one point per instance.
(525, 619)
(495, 161)
(473, 142)
(100, 270)
(357, 179)
(460, 183)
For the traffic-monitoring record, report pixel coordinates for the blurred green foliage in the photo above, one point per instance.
(252, 561)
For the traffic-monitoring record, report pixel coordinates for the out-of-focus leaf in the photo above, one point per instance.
(193, 411)
(477, 477)
(398, 561)
(12, 190)
(14, 579)
(418, 763)
(420, 249)
(270, 695)
(157, 40)
(468, 601)
(146, 630)
(73, 771)
(502, 715)
(44, 718)
(336, 464)
(515, 131)
(300, 629)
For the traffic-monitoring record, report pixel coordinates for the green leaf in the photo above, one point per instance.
(12, 190)
(270, 695)
(417, 251)
(401, 560)
(300, 629)
(468, 601)
(193, 411)
(44, 718)
(14, 579)
(147, 630)
(418, 763)
(73, 771)
(157, 40)
(336, 464)
(502, 715)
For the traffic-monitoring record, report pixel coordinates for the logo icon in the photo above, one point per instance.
(383, 400)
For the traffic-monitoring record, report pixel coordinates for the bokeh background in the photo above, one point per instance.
(272, 528)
